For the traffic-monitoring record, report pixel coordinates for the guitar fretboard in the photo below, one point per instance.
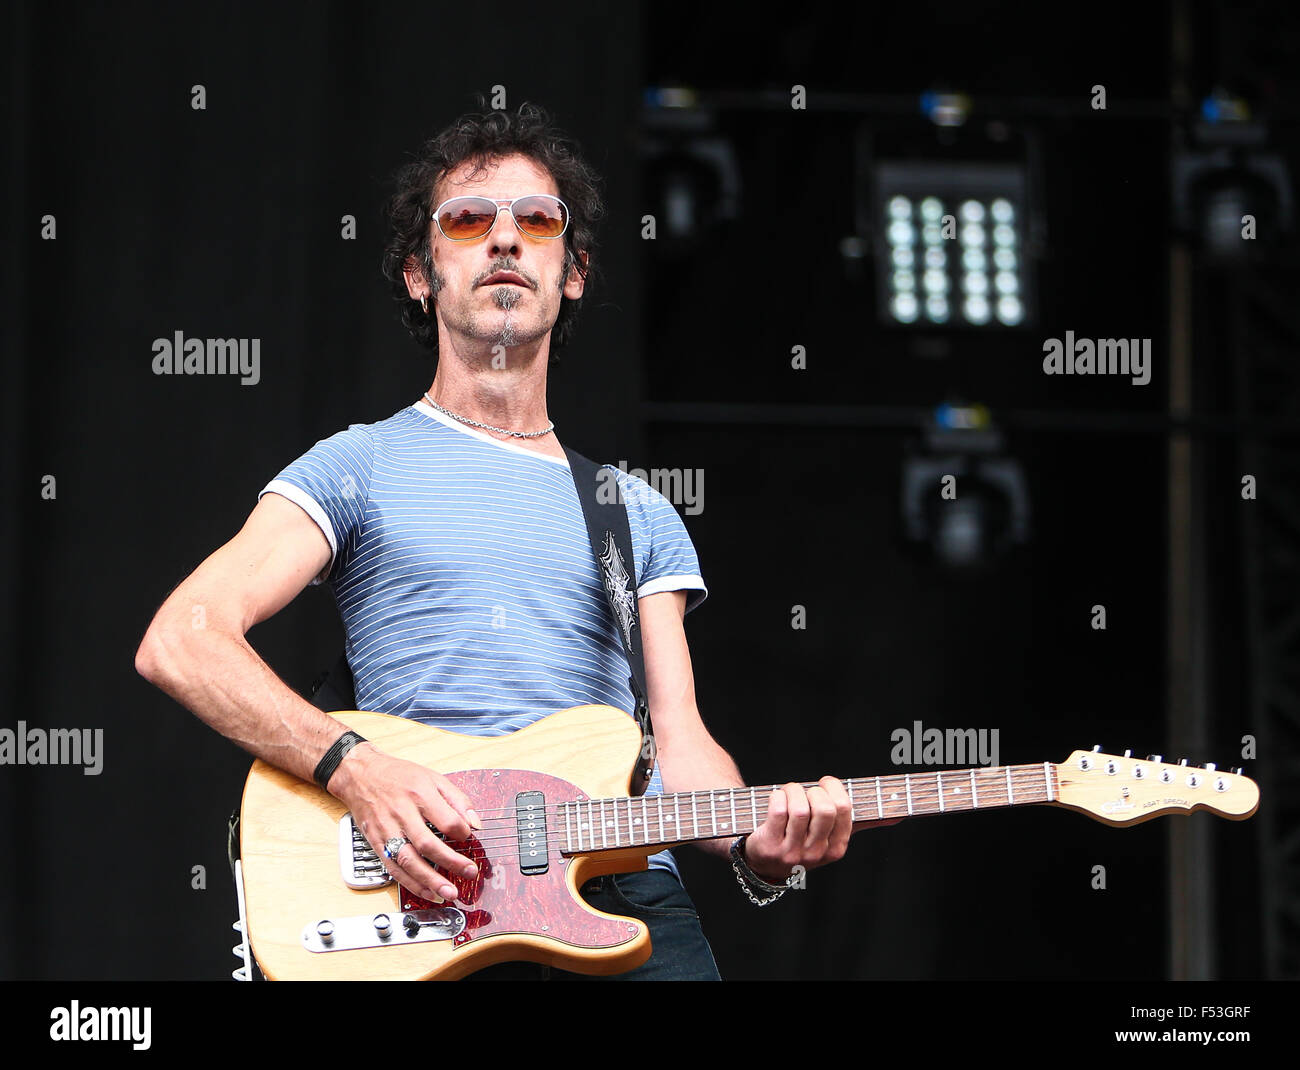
(588, 825)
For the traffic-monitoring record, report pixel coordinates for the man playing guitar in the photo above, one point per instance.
(419, 573)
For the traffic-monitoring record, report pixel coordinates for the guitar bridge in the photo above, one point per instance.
(359, 865)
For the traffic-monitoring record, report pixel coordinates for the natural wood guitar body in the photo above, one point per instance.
(289, 835)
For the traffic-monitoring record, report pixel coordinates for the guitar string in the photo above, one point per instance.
(617, 808)
(995, 788)
(744, 809)
(996, 778)
(505, 832)
(554, 848)
(990, 781)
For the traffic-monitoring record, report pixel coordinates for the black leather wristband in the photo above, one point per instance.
(330, 762)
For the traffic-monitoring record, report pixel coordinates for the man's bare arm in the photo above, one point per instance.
(196, 651)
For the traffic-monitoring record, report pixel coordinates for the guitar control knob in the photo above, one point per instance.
(383, 926)
(325, 930)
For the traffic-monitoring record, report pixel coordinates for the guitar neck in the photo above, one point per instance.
(588, 825)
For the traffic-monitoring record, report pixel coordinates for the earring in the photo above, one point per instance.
(424, 303)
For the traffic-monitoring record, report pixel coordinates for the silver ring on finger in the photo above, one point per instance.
(393, 846)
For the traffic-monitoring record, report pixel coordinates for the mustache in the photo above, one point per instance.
(506, 265)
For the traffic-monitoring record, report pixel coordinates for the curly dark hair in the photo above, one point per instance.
(480, 138)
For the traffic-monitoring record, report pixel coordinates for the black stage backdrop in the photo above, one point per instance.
(227, 221)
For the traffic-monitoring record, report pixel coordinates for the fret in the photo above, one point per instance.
(581, 822)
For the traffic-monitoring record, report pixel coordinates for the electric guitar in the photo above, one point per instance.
(316, 903)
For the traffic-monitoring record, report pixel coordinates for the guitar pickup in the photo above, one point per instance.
(359, 866)
(530, 820)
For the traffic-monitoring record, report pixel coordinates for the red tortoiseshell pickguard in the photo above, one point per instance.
(503, 900)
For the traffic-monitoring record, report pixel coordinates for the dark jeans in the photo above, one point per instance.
(656, 897)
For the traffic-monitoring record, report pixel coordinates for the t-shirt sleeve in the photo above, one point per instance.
(331, 484)
(666, 557)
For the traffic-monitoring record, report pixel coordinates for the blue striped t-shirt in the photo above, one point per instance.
(464, 574)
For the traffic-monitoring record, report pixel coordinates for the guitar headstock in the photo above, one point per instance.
(1127, 790)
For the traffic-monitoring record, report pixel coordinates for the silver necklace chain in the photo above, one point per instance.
(488, 427)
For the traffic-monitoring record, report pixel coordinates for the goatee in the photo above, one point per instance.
(506, 297)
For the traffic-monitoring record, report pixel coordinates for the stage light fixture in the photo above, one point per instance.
(961, 226)
(1232, 191)
(989, 510)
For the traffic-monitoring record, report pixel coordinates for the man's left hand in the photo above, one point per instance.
(804, 827)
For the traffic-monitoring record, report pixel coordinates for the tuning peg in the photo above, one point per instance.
(1210, 767)
(1154, 758)
(1182, 761)
(1128, 754)
(1097, 747)
(1238, 770)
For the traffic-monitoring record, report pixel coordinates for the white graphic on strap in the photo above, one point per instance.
(621, 595)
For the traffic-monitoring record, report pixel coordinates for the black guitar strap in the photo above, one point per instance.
(605, 512)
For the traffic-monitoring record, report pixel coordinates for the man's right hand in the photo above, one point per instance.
(391, 797)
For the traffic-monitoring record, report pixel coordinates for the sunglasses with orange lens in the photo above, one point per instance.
(538, 215)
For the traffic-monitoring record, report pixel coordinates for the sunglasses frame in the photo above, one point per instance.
(500, 204)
